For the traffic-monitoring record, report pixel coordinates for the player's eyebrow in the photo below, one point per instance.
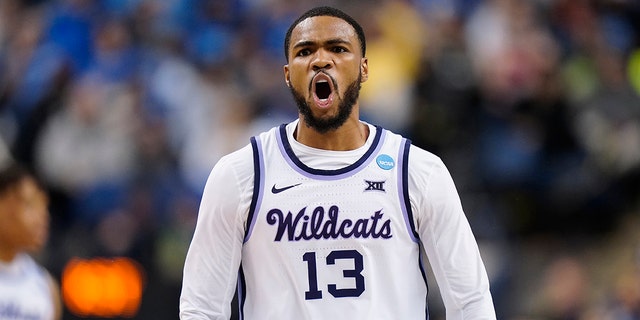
(337, 41)
(308, 43)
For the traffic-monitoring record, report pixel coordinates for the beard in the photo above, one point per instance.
(345, 107)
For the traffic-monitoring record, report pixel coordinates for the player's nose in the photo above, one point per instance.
(322, 60)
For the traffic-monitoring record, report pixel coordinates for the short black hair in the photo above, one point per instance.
(326, 11)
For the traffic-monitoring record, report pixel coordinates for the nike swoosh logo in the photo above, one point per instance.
(275, 189)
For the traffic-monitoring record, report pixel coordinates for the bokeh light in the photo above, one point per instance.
(103, 287)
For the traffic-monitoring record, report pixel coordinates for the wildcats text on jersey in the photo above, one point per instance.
(303, 226)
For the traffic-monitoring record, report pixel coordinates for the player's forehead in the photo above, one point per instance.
(319, 29)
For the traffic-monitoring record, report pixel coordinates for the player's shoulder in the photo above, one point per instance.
(241, 161)
(424, 163)
(238, 158)
(26, 262)
(232, 171)
(417, 155)
(422, 155)
(25, 265)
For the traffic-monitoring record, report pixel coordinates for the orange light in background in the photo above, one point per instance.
(102, 287)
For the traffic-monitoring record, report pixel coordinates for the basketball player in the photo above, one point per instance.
(27, 290)
(327, 217)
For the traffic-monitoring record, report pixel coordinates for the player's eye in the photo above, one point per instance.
(339, 49)
(303, 52)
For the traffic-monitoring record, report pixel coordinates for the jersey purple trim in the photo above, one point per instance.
(403, 185)
(426, 283)
(242, 288)
(405, 203)
(258, 185)
(319, 174)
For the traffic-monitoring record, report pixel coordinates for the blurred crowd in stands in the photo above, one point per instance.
(123, 106)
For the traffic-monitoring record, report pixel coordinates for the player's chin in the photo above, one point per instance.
(324, 115)
(37, 244)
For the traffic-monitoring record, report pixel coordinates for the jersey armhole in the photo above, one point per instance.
(404, 180)
(258, 171)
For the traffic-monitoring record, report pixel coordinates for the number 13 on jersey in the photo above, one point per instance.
(356, 273)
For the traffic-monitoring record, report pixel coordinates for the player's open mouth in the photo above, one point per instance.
(322, 89)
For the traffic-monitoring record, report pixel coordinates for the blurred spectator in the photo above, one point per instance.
(87, 149)
(70, 28)
(565, 289)
(33, 72)
(397, 37)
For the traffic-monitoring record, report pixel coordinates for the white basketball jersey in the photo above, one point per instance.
(25, 292)
(331, 244)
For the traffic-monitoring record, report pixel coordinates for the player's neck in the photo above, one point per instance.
(7, 254)
(351, 135)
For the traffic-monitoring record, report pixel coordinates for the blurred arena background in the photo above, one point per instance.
(123, 106)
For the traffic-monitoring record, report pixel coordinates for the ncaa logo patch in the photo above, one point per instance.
(385, 162)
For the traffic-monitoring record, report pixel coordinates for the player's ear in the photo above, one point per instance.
(364, 69)
(287, 80)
